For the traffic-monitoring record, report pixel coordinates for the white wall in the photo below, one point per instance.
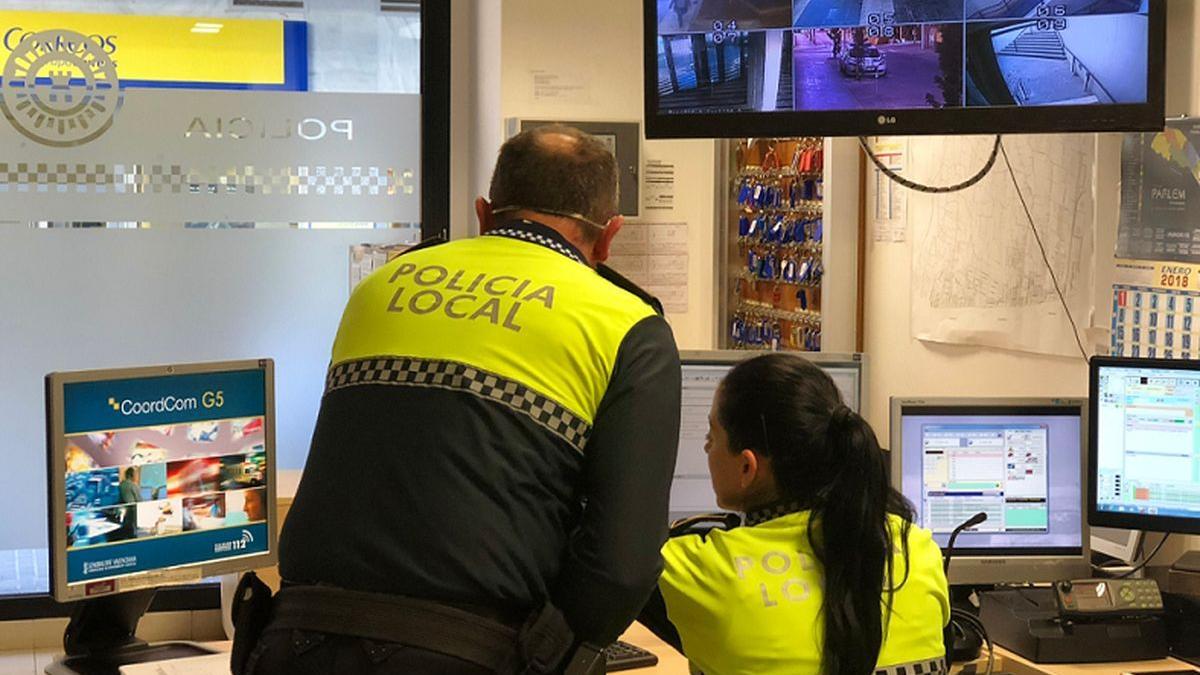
(1183, 58)
(475, 133)
(595, 46)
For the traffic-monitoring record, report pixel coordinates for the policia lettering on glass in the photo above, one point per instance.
(465, 295)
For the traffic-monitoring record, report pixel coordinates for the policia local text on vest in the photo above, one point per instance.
(494, 452)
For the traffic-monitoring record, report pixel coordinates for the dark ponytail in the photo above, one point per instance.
(825, 457)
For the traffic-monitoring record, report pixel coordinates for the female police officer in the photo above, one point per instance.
(828, 574)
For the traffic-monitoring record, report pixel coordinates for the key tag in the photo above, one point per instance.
(776, 333)
(752, 262)
(803, 272)
(801, 234)
(743, 226)
(802, 298)
(819, 230)
(818, 271)
(756, 193)
(743, 191)
(776, 233)
(767, 271)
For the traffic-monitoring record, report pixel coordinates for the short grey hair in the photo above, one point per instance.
(556, 168)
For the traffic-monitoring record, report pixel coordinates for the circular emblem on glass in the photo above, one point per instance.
(60, 88)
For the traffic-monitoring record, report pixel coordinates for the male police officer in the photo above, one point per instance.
(494, 447)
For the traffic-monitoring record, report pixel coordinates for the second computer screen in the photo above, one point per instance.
(1020, 466)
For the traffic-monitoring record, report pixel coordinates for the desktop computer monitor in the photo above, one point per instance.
(1144, 444)
(691, 489)
(159, 476)
(1021, 461)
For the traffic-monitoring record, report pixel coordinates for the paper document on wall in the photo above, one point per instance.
(659, 192)
(655, 257)
(978, 276)
(887, 200)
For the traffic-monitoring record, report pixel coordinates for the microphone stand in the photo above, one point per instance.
(961, 645)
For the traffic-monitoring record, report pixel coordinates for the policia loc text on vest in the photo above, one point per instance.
(494, 448)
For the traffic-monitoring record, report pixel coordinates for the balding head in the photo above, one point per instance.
(558, 170)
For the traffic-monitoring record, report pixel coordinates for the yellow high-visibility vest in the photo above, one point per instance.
(748, 601)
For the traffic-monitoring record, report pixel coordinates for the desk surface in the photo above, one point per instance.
(1018, 665)
(672, 663)
(34, 662)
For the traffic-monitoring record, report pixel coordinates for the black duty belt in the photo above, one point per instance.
(390, 618)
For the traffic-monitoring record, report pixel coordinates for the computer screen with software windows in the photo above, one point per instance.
(1146, 444)
(1020, 464)
(161, 475)
(691, 489)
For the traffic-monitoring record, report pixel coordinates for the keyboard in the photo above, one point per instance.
(624, 656)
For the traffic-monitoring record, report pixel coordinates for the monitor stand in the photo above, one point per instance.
(100, 637)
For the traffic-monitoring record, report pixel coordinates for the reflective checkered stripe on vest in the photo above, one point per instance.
(520, 325)
(936, 667)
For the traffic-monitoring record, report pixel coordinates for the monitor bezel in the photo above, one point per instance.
(1126, 551)
(1128, 521)
(728, 357)
(1004, 565)
(62, 591)
(1148, 116)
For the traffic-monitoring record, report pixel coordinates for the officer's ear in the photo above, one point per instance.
(603, 245)
(484, 214)
(750, 466)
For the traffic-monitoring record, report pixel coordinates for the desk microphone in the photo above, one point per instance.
(961, 647)
(971, 522)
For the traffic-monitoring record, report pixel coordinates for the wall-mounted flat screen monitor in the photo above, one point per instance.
(744, 68)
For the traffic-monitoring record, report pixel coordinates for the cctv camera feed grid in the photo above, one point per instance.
(730, 56)
(164, 471)
(1148, 450)
(1021, 469)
